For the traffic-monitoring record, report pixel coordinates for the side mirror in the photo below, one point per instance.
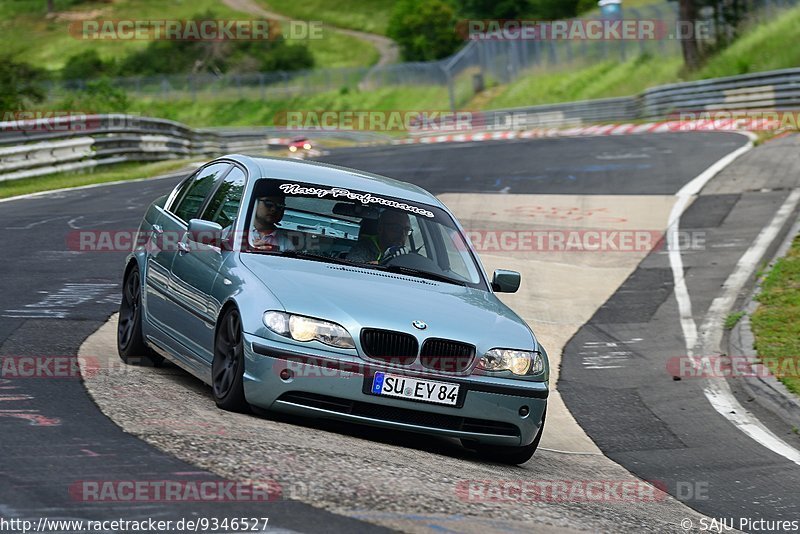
(205, 232)
(506, 281)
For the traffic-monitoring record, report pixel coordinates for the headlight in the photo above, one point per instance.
(302, 328)
(292, 148)
(307, 146)
(519, 362)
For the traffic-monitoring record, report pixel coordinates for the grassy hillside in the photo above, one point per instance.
(26, 32)
(366, 15)
(250, 112)
(770, 46)
(765, 47)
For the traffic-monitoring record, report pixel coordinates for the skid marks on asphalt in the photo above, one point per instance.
(58, 304)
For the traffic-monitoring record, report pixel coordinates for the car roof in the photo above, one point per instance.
(332, 175)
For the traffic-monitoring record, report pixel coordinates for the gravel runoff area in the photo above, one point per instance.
(406, 482)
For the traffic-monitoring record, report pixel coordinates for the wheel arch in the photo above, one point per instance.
(228, 305)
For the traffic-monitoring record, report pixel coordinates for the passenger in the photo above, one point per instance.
(264, 232)
(393, 230)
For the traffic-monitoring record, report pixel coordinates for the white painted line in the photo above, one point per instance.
(684, 195)
(721, 306)
(717, 390)
(91, 186)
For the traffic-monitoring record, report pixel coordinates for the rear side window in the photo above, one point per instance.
(224, 205)
(197, 189)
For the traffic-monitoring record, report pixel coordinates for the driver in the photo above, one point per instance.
(264, 233)
(393, 229)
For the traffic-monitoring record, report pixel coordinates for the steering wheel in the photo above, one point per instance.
(410, 255)
(392, 252)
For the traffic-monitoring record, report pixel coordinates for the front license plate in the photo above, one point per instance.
(406, 387)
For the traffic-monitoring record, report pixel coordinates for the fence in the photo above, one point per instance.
(763, 91)
(34, 148)
(500, 61)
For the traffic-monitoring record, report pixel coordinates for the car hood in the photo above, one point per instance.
(369, 298)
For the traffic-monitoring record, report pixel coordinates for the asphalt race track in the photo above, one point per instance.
(53, 298)
(69, 440)
(631, 165)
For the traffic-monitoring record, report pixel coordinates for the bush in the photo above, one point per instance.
(99, 96)
(268, 56)
(531, 9)
(20, 85)
(86, 65)
(162, 57)
(585, 6)
(495, 9)
(554, 9)
(424, 29)
(178, 57)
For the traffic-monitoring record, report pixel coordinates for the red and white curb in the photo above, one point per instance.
(727, 125)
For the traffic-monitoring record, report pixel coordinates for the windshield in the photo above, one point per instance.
(324, 223)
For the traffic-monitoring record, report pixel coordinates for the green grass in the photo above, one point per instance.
(732, 319)
(98, 175)
(601, 80)
(339, 50)
(48, 43)
(766, 47)
(257, 112)
(26, 33)
(770, 46)
(366, 15)
(776, 322)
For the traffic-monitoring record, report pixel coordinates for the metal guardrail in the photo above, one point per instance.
(44, 146)
(762, 90)
(566, 114)
(39, 147)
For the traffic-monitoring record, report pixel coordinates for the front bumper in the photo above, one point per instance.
(330, 385)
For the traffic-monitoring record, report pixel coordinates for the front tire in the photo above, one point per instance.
(511, 455)
(131, 345)
(227, 368)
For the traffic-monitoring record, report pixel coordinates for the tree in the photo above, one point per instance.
(554, 9)
(495, 9)
(98, 96)
(520, 9)
(687, 13)
(85, 65)
(424, 29)
(19, 85)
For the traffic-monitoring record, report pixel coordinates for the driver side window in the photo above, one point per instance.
(224, 205)
(198, 189)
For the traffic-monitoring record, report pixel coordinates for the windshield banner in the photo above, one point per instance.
(365, 198)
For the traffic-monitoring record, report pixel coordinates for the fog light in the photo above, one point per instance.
(524, 411)
(286, 374)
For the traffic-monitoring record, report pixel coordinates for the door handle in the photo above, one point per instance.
(183, 248)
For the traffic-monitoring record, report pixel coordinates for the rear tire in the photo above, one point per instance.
(510, 455)
(227, 368)
(131, 346)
